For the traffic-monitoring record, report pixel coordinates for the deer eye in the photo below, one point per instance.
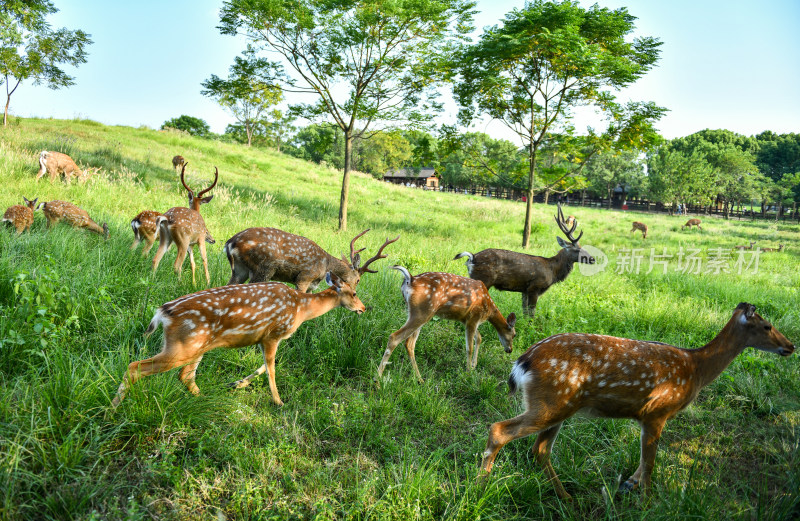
(767, 327)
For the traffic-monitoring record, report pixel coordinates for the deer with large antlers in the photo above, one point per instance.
(611, 377)
(641, 227)
(452, 297)
(234, 316)
(185, 227)
(262, 254)
(20, 216)
(57, 211)
(528, 274)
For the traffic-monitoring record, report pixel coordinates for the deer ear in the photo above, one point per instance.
(562, 242)
(207, 199)
(333, 281)
(748, 311)
(511, 320)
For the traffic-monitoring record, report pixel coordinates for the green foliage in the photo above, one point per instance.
(380, 152)
(609, 170)
(31, 50)
(189, 124)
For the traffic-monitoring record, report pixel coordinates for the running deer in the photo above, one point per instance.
(262, 254)
(145, 227)
(185, 227)
(452, 297)
(527, 274)
(20, 216)
(234, 316)
(55, 164)
(779, 248)
(612, 377)
(692, 222)
(742, 247)
(178, 161)
(56, 211)
(640, 226)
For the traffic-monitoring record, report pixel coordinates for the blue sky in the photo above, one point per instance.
(729, 64)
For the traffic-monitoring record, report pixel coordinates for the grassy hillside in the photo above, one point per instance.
(73, 309)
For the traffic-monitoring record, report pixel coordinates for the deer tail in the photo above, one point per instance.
(405, 273)
(519, 375)
(158, 319)
(466, 254)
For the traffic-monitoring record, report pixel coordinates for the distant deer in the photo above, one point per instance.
(570, 220)
(185, 227)
(262, 254)
(692, 222)
(527, 274)
(452, 297)
(20, 216)
(640, 226)
(742, 247)
(234, 316)
(178, 162)
(55, 164)
(612, 377)
(56, 211)
(779, 248)
(145, 227)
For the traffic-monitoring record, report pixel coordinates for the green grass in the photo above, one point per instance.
(73, 309)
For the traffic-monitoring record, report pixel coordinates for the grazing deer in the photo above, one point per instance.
(262, 254)
(55, 164)
(612, 377)
(452, 297)
(779, 248)
(145, 227)
(234, 316)
(178, 161)
(640, 226)
(56, 211)
(185, 227)
(692, 222)
(527, 274)
(742, 247)
(20, 216)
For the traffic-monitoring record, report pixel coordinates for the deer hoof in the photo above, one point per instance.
(628, 486)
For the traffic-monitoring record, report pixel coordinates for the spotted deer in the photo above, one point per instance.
(640, 226)
(57, 211)
(145, 227)
(262, 254)
(742, 247)
(692, 222)
(605, 376)
(185, 227)
(234, 316)
(20, 216)
(55, 163)
(452, 297)
(528, 274)
(779, 248)
(178, 161)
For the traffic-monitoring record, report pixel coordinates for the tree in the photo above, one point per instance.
(245, 93)
(365, 60)
(607, 171)
(31, 50)
(319, 143)
(679, 178)
(548, 58)
(192, 125)
(381, 152)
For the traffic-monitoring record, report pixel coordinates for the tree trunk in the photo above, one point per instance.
(5, 114)
(249, 130)
(348, 153)
(546, 196)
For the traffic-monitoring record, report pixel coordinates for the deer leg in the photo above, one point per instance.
(542, 448)
(164, 242)
(398, 336)
(202, 247)
(187, 374)
(529, 304)
(244, 382)
(503, 432)
(478, 340)
(182, 251)
(136, 242)
(190, 250)
(651, 433)
(270, 347)
(411, 343)
(167, 359)
(472, 351)
(148, 245)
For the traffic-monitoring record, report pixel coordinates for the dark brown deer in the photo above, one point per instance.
(527, 274)
(234, 316)
(262, 254)
(692, 222)
(178, 162)
(605, 376)
(452, 297)
(779, 248)
(640, 226)
(742, 247)
(57, 211)
(185, 227)
(20, 216)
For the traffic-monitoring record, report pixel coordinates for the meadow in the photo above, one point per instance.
(73, 309)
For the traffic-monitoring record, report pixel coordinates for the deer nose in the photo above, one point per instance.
(786, 351)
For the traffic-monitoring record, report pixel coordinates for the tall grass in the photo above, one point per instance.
(73, 308)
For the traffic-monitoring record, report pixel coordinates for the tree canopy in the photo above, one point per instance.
(190, 124)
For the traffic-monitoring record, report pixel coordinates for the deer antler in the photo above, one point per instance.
(363, 269)
(563, 225)
(216, 177)
(355, 258)
(183, 169)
